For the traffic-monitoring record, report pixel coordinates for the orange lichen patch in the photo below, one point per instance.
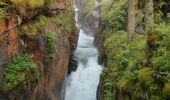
(13, 43)
(3, 26)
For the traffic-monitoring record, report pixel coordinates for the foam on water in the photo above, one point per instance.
(82, 84)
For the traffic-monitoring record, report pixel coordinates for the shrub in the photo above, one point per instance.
(114, 15)
(21, 69)
(161, 56)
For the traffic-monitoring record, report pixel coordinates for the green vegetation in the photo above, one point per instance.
(3, 10)
(138, 70)
(161, 56)
(51, 27)
(20, 70)
(114, 16)
(42, 23)
(51, 44)
(29, 3)
(3, 13)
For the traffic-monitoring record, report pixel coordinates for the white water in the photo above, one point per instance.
(82, 84)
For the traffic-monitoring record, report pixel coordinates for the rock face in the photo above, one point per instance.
(28, 33)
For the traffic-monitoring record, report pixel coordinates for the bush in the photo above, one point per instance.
(161, 56)
(114, 15)
(21, 69)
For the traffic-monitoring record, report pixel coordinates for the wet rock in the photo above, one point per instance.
(73, 64)
(50, 84)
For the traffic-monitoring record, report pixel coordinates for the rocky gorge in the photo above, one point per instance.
(40, 35)
(84, 49)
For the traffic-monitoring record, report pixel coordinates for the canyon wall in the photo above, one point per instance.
(40, 36)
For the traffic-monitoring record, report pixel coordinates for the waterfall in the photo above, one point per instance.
(82, 84)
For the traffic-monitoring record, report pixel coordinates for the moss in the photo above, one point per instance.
(28, 3)
(125, 85)
(166, 89)
(3, 10)
(42, 23)
(145, 76)
(35, 27)
(50, 3)
(51, 44)
(3, 13)
(21, 69)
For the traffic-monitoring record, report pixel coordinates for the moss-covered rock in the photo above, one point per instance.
(20, 70)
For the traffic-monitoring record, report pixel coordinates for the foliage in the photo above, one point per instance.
(29, 3)
(115, 15)
(3, 13)
(51, 44)
(161, 57)
(21, 69)
(3, 10)
(139, 70)
(128, 68)
(42, 23)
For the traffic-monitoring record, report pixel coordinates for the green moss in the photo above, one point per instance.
(28, 3)
(3, 13)
(42, 23)
(50, 3)
(125, 85)
(52, 44)
(166, 89)
(21, 69)
(145, 76)
(3, 10)
(35, 27)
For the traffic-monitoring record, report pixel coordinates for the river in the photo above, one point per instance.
(82, 84)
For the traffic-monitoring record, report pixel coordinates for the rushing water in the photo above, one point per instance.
(82, 84)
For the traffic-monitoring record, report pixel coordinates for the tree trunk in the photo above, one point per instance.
(131, 19)
(149, 17)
